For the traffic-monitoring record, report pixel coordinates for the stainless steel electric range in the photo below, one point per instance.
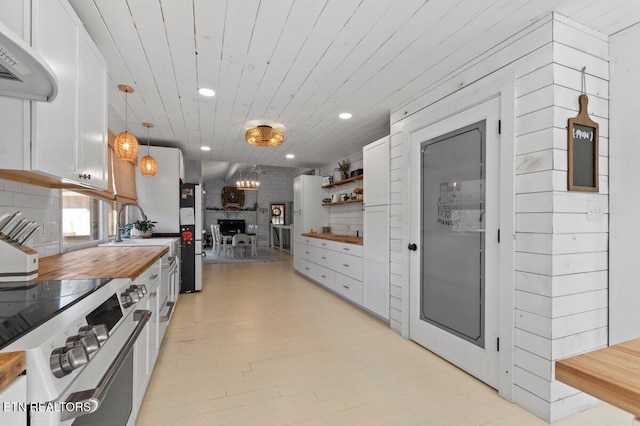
(79, 337)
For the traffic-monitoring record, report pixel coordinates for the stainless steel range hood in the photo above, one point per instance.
(23, 73)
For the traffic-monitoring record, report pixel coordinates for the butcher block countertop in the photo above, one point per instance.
(100, 262)
(611, 374)
(12, 364)
(348, 239)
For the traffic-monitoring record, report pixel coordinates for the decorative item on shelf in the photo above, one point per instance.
(232, 197)
(359, 192)
(344, 166)
(148, 165)
(126, 145)
(344, 196)
(247, 184)
(140, 228)
(357, 172)
(327, 180)
(326, 200)
(264, 135)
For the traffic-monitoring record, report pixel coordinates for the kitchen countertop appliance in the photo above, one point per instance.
(78, 336)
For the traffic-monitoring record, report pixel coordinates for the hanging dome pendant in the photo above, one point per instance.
(148, 165)
(264, 136)
(125, 145)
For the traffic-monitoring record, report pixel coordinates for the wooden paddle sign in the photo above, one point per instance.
(582, 148)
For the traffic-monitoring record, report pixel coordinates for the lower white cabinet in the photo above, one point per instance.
(12, 395)
(336, 266)
(376, 260)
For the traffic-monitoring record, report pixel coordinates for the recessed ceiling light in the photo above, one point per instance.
(290, 156)
(206, 92)
(345, 115)
(205, 148)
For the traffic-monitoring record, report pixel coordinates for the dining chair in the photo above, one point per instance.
(254, 241)
(240, 240)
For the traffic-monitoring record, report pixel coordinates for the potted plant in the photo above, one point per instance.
(142, 228)
(344, 166)
(358, 191)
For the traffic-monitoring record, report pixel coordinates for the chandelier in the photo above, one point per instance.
(247, 184)
(264, 136)
(148, 165)
(126, 145)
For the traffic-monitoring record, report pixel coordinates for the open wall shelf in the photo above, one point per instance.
(343, 182)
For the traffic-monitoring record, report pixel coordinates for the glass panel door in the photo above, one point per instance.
(452, 228)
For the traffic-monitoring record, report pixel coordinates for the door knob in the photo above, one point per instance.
(413, 247)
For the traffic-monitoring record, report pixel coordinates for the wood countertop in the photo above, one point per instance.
(611, 374)
(100, 262)
(12, 364)
(348, 239)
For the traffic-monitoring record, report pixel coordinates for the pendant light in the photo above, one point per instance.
(148, 165)
(247, 184)
(264, 136)
(126, 145)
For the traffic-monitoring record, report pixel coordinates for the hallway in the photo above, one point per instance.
(260, 345)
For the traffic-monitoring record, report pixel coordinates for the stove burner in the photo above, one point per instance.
(25, 306)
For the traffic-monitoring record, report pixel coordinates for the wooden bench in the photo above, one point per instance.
(611, 374)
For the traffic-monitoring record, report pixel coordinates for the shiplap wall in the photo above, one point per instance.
(560, 286)
(38, 204)
(276, 186)
(345, 219)
(624, 292)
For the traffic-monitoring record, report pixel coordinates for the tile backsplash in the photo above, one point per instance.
(39, 204)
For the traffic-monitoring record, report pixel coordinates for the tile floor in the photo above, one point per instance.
(260, 345)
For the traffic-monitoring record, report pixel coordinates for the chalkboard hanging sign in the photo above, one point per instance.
(582, 148)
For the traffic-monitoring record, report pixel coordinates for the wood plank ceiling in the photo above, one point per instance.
(298, 64)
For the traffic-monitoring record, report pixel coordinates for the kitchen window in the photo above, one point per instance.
(81, 223)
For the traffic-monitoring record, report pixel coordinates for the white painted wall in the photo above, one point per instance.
(560, 286)
(38, 204)
(624, 291)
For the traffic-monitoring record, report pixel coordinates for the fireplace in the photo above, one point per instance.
(231, 226)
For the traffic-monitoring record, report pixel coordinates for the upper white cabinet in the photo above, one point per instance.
(159, 195)
(376, 172)
(65, 139)
(307, 200)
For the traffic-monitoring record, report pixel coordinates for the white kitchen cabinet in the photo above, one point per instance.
(376, 172)
(307, 205)
(159, 195)
(13, 395)
(67, 139)
(375, 296)
(375, 288)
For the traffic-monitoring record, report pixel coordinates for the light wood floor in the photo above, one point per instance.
(260, 345)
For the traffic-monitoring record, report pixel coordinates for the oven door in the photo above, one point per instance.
(103, 393)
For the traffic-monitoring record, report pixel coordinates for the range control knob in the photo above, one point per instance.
(64, 360)
(100, 330)
(88, 341)
(126, 299)
(133, 294)
(143, 288)
(138, 290)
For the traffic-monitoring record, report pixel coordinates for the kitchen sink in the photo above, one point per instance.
(140, 242)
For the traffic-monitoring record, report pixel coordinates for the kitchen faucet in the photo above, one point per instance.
(120, 228)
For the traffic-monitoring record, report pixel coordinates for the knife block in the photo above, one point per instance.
(18, 262)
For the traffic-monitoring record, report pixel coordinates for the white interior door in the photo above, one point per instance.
(454, 226)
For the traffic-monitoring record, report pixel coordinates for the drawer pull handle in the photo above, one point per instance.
(153, 277)
(345, 265)
(346, 286)
(322, 257)
(323, 276)
(344, 248)
(306, 268)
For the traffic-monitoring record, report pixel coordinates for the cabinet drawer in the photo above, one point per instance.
(323, 244)
(306, 267)
(323, 257)
(150, 276)
(352, 249)
(322, 275)
(348, 265)
(348, 287)
(306, 252)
